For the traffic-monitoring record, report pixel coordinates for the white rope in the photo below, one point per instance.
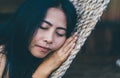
(89, 12)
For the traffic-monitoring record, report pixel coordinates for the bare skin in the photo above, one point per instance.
(56, 59)
(51, 34)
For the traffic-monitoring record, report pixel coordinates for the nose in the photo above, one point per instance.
(48, 38)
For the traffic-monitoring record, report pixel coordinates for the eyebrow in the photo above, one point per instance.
(62, 28)
(47, 22)
(52, 25)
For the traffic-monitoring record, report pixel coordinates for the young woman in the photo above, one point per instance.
(37, 40)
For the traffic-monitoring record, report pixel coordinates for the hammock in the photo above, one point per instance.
(89, 12)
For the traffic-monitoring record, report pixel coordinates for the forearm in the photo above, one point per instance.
(41, 73)
(44, 70)
(53, 61)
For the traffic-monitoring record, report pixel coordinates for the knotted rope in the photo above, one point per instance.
(89, 12)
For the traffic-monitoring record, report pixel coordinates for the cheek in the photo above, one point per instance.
(35, 39)
(58, 43)
(36, 36)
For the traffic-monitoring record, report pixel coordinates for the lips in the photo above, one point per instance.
(43, 49)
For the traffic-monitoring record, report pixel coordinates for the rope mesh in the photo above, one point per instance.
(89, 12)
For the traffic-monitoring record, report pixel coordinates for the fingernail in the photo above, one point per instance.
(76, 38)
(76, 33)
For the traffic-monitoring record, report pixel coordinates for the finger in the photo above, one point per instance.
(69, 46)
(66, 55)
(70, 50)
(70, 39)
(65, 49)
(71, 43)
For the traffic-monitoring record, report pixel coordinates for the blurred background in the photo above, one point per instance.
(100, 55)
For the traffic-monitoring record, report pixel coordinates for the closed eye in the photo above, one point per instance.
(60, 34)
(45, 28)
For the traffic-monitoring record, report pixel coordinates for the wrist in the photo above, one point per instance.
(43, 71)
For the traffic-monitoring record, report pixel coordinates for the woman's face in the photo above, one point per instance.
(51, 35)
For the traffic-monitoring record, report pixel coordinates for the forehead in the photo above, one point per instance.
(56, 17)
(57, 11)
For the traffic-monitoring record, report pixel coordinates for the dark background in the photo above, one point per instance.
(100, 52)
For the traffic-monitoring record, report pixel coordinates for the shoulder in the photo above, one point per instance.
(2, 49)
(2, 60)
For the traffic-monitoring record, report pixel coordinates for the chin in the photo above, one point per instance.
(39, 56)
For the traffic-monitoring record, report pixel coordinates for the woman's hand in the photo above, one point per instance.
(53, 61)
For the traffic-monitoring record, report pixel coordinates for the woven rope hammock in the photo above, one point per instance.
(89, 12)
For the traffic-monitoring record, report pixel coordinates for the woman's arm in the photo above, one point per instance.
(2, 60)
(56, 59)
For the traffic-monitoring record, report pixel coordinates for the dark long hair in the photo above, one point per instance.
(20, 29)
